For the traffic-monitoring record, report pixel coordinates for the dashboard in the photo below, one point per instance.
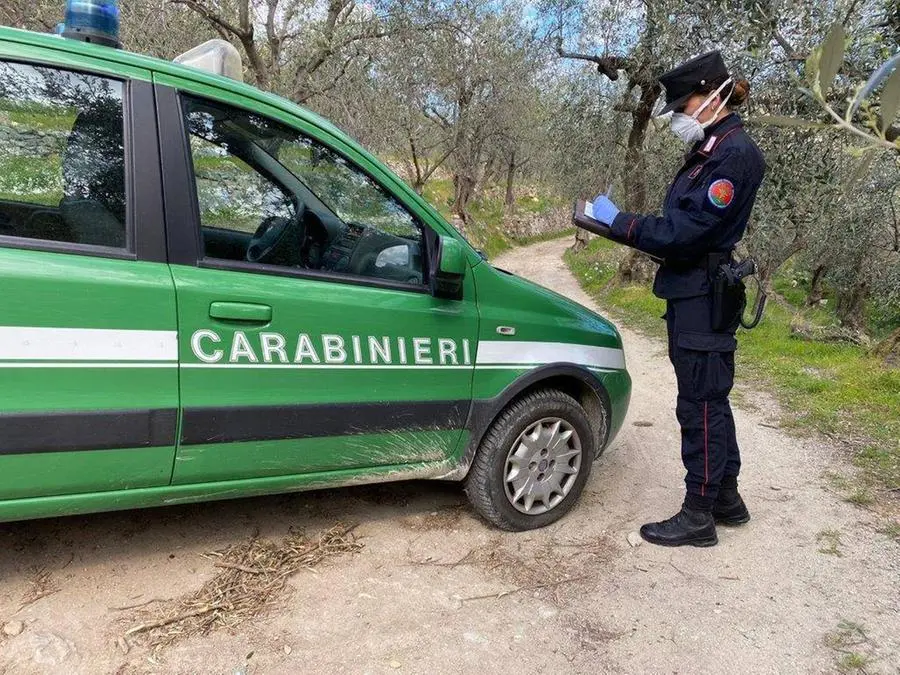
(339, 254)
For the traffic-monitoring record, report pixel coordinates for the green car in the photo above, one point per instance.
(209, 292)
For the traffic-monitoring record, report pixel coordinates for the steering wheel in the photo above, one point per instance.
(276, 239)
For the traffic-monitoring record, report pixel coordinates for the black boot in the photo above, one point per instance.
(730, 508)
(687, 527)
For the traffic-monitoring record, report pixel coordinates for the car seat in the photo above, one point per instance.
(93, 168)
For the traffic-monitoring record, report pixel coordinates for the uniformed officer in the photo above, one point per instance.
(704, 217)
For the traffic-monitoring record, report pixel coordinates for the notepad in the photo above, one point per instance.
(583, 217)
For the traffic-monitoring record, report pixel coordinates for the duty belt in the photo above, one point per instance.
(709, 262)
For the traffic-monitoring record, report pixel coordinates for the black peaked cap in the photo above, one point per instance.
(684, 80)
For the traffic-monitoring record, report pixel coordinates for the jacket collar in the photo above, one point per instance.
(715, 133)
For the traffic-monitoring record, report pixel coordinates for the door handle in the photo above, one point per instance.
(240, 311)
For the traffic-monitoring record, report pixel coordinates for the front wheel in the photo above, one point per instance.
(533, 462)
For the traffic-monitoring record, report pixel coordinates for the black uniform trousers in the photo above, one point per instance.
(704, 368)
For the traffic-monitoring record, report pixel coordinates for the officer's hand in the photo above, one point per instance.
(604, 210)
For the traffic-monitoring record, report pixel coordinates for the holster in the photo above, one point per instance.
(729, 294)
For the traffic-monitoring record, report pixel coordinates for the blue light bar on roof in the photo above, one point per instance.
(95, 21)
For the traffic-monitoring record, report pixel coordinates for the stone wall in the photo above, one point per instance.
(20, 141)
(529, 225)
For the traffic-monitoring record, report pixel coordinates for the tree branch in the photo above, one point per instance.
(850, 12)
(896, 248)
(782, 41)
(339, 12)
(243, 32)
(788, 48)
(305, 96)
(436, 117)
(606, 65)
(434, 167)
(206, 13)
(275, 40)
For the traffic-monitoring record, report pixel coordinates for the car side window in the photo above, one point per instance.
(270, 195)
(231, 194)
(62, 156)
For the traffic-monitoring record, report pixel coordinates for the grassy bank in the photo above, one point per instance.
(837, 389)
(486, 231)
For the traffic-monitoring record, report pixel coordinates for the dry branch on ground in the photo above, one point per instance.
(253, 576)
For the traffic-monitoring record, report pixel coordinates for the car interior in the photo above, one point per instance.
(301, 232)
(306, 234)
(92, 210)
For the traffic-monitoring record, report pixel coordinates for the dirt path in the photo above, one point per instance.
(809, 582)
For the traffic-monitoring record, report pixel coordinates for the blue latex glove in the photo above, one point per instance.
(604, 210)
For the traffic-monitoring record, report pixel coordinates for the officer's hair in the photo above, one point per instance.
(738, 96)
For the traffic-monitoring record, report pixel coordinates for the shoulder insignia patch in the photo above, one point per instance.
(721, 193)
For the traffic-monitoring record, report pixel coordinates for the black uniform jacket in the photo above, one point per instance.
(706, 210)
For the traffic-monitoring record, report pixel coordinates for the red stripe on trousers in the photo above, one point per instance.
(705, 448)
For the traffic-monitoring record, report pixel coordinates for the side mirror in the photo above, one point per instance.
(396, 256)
(447, 278)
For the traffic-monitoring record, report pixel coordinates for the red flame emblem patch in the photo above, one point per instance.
(721, 193)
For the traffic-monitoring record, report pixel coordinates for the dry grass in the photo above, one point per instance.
(253, 577)
(830, 541)
(545, 572)
(40, 585)
(590, 634)
(441, 520)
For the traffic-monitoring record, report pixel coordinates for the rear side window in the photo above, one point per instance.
(62, 156)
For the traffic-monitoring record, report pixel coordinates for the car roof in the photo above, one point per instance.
(72, 49)
(195, 75)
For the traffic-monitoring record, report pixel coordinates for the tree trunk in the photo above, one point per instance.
(463, 189)
(510, 200)
(764, 273)
(635, 170)
(582, 239)
(770, 264)
(815, 287)
(490, 173)
(637, 268)
(889, 349)
(418, 181)
(850, 307)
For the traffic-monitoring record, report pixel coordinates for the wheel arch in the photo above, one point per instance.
(576, 381)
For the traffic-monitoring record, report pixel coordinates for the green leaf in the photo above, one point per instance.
(811, 68)
(832, 57)
(861, 170)
(782, 121)
(877, 78)
(890, 99)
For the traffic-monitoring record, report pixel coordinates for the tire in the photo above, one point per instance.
(510, 450)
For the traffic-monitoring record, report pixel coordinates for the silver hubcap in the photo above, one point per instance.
(542, 466)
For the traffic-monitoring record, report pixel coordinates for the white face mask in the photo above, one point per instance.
(687, 128)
